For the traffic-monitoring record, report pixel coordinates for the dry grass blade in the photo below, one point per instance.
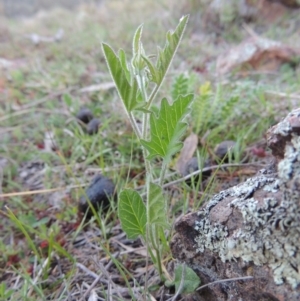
(88, 271)
(97, 88)
(93, 296)
(187, 151)
(41, 191)
(140, 251)
(40, 272)
(90, 289)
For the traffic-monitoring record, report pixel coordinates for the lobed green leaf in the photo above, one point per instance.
(167, 129)
(165, 56)
(128, 92)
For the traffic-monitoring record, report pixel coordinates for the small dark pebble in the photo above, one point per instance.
(222, 150)
(85, 115)
(192, 165)
(93, 126)
(100, 191)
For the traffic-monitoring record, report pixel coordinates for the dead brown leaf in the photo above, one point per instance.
(257, 53)
(187, 152)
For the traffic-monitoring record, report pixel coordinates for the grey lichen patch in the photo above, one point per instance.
(270, 232)
(283, 128)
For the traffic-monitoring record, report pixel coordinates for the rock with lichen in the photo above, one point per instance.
(252, 229)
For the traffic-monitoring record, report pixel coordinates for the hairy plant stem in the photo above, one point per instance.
(163, 172)
(150, 234)
(156, 248)
(149, 178)
(152, 95)
(134, 125)
(142, 84)
(144, 136)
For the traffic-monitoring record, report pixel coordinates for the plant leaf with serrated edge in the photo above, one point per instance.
(157, 206)
(127, 92)
(132, 213)
(165, 56)
(167, 129)
(191, 280)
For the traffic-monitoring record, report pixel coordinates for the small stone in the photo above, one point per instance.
(100, 191)
(223, 149)
(85, 115)
(93, 126)
(193, 165)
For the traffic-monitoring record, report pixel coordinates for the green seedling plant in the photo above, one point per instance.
(5, 293)
(138, 83)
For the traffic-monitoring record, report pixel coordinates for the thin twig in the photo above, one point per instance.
(22, 193)
(31, 192)
(41, 191)
(224, 280)
(195, 173)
